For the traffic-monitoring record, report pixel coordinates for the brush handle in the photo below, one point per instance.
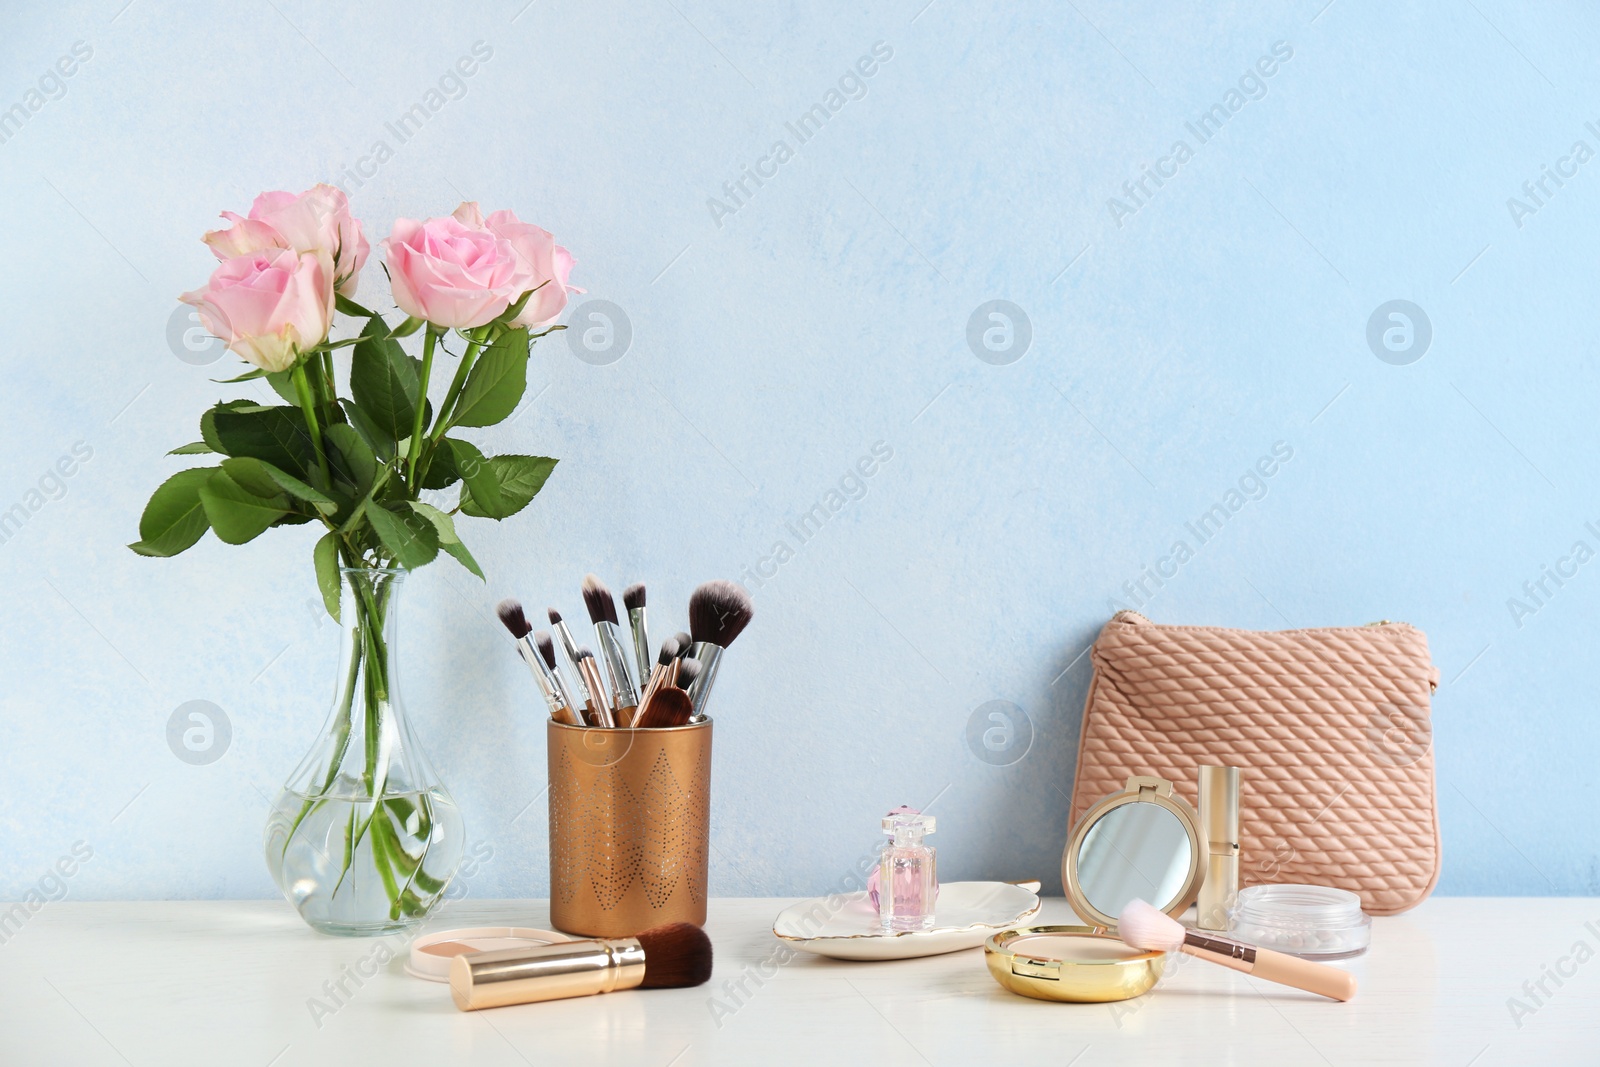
(1303, 974)
(570, 647)
(599, 709)
(710, 657)
(640, 632)
(549, 972)
(624, 694)
(530, 656)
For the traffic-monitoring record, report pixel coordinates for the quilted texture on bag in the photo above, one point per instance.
(1331, 729)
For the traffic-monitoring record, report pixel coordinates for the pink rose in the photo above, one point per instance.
(317, 220)
(269, 305)
(463, 271)
(547, 263)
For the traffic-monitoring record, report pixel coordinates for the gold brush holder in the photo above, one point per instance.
(630, 827)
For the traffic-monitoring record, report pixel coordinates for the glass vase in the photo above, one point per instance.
(363, 838)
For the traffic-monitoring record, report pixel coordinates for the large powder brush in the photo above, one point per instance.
(667, 957)
(719, 611)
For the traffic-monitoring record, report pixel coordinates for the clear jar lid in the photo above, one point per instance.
(1313, 922)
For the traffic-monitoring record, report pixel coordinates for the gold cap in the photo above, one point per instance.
(1219, 805)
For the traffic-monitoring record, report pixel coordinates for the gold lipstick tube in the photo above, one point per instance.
(548, 972)
(1219, 815)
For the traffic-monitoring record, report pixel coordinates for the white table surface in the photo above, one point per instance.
(232, 982)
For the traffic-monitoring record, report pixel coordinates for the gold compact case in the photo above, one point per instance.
(1144, 843)
(1070, 963)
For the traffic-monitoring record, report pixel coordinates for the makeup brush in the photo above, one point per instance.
(514, 620)
(603, 613)
(685, 644)
(547, 655)
(570, 647)
(667, 957)
(664, 663)
(600, 713)
(633, 602)
(671, 705)
(719, 611)
(1143, 926)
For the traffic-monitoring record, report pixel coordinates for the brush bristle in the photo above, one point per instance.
(1143, 926)
(675, 955)
(688, 671)
(685, 642)
(555, 616)
(633, 596)
(597, 598)
(584, 653)
(719, 611)
(547, 648)
(669, 651)
(512, 618)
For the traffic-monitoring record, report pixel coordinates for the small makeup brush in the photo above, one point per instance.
(671, 705)
(603, 613)
(667, 957)
(664, 663)
(514, 620)
(633, 603)
(547, 655)
(570, 647)
(1144, 927)
(600, 713)
(719, 611)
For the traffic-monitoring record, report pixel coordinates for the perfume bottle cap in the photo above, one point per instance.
(903, 821)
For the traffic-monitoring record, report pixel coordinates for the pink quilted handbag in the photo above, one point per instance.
(1329, 727)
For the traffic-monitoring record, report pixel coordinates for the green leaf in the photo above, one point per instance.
(174, 518)
(407, 328)
(208, 420)
(235, 513)
(346, 306)
(496, 383)
(265, 480)
(458, 551)
(410, 538)
(326, 557)
(449, 540)
(482, 481)
(350, 457)
(520, 477)
(384, 382)
(383, 446)
(277, 435)
(282, 383)
(193, 448)
(443, 524)
(258, 372)
(441, 471)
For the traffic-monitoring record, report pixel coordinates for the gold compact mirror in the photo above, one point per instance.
(1143, 843)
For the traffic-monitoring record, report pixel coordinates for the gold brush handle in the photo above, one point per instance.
(1303, 974)
(548, 972)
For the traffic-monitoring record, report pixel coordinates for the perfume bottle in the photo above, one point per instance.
(908, 881)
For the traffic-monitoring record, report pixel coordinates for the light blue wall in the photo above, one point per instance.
(775, 344)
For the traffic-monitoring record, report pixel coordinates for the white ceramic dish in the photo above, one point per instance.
(846, 927)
